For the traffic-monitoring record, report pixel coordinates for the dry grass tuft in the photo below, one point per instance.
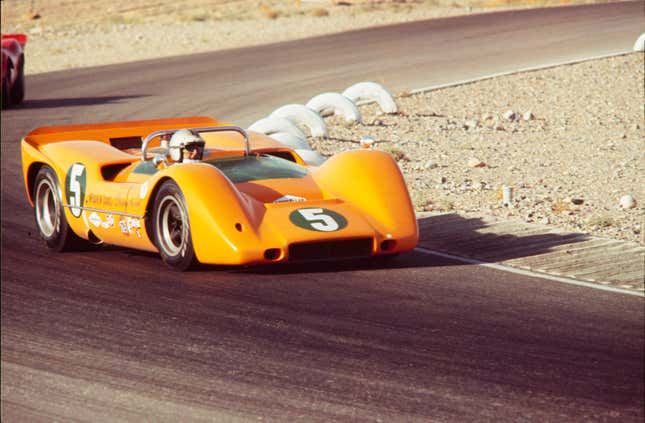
(269, 12)
(320, 12)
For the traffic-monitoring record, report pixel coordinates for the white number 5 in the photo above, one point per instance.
(75, 189)
(319, 220)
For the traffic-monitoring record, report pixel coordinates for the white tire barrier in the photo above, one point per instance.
(311, 157)
(338, 104)
(271, 125)
(372, 91)
(291, 141)
(301, 114)
(639, 45)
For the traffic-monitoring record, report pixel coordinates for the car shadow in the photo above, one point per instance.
(472, 238)
(49, 103)
(475, 238)
(489, 240)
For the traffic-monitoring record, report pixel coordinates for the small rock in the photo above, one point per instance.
(471, 124)
(528, 115)
(431, 164)
(627, 202)
(510, 115)
(474, 162)
(545, 221)
(577, 201)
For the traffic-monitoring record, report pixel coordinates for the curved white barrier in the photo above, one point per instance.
(299, 113)
(291, 140)
(270, 125)
(337, 104)
(639, 45)
(311, 157)
(372, 91)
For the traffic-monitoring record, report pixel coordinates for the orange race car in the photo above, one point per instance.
(196, 190)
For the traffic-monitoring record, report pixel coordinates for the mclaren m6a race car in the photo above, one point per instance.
(196, 190)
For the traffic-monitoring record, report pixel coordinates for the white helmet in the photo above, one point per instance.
(181, 140)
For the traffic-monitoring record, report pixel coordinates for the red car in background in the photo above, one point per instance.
(13, 69)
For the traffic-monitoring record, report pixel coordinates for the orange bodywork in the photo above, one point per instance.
(355, 195)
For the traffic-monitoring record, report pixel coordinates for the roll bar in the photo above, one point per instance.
(151, 136)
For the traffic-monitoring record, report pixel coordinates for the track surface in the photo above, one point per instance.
(112, 335)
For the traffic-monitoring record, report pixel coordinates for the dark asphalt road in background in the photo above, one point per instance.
(112, 335)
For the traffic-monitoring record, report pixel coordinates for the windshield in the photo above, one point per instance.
(253, 168)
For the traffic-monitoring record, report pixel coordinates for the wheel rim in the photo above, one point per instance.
(171, 226)
(47, 208)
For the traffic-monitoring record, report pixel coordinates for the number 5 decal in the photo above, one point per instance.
(75, 184)
(318, 219)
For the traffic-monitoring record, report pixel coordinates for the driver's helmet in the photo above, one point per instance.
(185, 140)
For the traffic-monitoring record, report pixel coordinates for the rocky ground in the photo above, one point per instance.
(568, 140)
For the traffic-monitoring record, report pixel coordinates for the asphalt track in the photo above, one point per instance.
(112, 335)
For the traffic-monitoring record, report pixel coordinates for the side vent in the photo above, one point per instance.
(110, 172)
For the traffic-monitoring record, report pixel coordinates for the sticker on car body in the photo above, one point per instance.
(75, 186)
(318, 219)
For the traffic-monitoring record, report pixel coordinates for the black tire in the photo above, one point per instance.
(171, 228)
(18, 90)
(6, 97)
(49, 213)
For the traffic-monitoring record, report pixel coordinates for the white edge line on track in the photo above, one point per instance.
(521, 70)
(529, 273)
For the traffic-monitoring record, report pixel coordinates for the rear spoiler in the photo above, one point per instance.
(21, 38)
(128, 134)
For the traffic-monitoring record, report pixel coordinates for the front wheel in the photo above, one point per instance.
(49, 213)
(18, 90)
(171, 227)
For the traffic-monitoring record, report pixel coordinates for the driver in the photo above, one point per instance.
(185, 146)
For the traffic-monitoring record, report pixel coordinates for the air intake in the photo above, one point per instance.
(329, 250)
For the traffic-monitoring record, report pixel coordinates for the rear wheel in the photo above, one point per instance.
(49, 213)
(171, 227)
(5, 88)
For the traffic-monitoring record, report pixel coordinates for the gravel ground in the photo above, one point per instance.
(577, 153)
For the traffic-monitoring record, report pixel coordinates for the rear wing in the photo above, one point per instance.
(121, 135)
(21, 38)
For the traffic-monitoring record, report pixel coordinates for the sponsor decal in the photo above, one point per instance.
(75, 182)
(124, 227)
(100, 200)
(134, 225)
(95, 219)
(318, 219)
(109, 222)
(143, 190)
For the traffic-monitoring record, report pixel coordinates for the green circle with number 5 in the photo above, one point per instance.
(318, 219)
(75, 188)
